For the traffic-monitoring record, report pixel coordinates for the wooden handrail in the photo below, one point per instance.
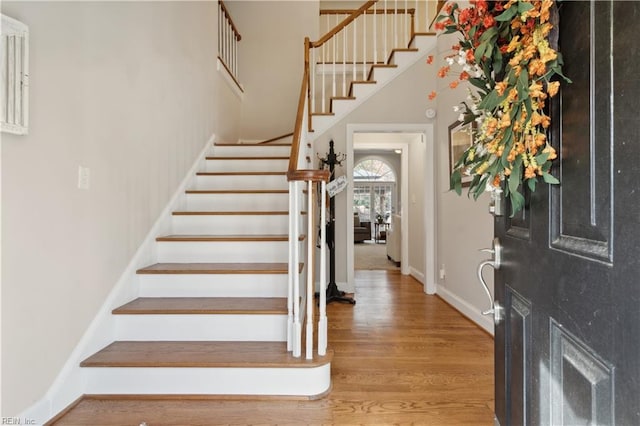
(297, 131)
(276, 138)
(410, 11)
(228, 15)
(343, 24)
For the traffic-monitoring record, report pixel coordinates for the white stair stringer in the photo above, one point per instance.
(425, 43)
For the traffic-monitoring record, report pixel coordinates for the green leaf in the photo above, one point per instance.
(550, 179)
(480, 84)
(507, 15)
(542, 158)
(455, 182)
(524, 7)
(490, 102)
(532, 184)
(480, 51)
(517, 202)
(488, 35)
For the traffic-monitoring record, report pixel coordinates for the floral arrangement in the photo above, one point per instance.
(506, 54)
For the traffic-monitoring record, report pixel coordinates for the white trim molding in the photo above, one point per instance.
(466, 309)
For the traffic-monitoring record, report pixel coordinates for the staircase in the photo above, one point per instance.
(378, 76)
(211, 316)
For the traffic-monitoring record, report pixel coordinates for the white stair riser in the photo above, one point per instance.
(241, 182)
(237, 202)
(404, 59)
(178, 327)
(209, 381)
(382, 74)
(364, 90)
(213, 285)
(239, 165)
(230, 224)
(251, 151)
(225, 251)
(423, 42)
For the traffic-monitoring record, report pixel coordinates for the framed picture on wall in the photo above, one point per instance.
(460, 138)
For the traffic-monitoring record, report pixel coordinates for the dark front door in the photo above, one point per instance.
(568, 349)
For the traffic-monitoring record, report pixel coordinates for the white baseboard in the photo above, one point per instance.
(467, 309)
(70, 383)
(416, 274)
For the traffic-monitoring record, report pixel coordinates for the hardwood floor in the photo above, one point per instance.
(401, 357)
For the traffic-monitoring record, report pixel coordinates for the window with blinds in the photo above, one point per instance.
(14, 52)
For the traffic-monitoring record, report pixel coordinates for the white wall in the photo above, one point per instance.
(464, 226)
(271, 61)
(130, 90)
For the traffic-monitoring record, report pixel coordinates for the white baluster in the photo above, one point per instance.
(375, 33)
(323, 54)
(395, 25)
(297, 326)
(344, 61)
(322, 318)
(335, 59)
(364, 47)
(407, 17)
(292, 268)
(312, 71)
(355, 49)
(310, 270)
(386, 32)
(417, 17)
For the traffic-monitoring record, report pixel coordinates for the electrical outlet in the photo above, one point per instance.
(443, 272)
(83, 177)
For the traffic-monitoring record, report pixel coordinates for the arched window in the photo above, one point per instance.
(373, 170)
(374, 185)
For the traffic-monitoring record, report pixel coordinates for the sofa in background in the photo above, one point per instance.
(394, 251)
(361, 230)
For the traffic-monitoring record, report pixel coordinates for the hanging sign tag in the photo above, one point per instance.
(337, 186)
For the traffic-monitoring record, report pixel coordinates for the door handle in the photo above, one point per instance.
(495, 262)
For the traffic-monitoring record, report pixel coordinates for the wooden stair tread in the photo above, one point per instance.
(232, 213)
(226, 238)
(405, 49)
(204, 305)
(245, 173)
(216, 268)
(237, 191)
(200, 354)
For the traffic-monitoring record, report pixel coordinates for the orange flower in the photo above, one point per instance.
(454, 84)
(501, 87)
(443, 71)
(496, 181)
(552, 88)
(430, 59)
(552, 152)
(432, 96)
(530, 172)
(537, 67)
(464, 75)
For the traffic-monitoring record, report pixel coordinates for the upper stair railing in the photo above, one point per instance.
(228, 39)
(358, 40)
(346, 54)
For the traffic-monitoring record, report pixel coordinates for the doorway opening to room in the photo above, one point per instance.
(374, 205)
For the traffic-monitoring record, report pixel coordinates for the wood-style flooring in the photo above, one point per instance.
(401, 357)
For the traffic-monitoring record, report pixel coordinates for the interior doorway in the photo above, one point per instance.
(415, 141)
